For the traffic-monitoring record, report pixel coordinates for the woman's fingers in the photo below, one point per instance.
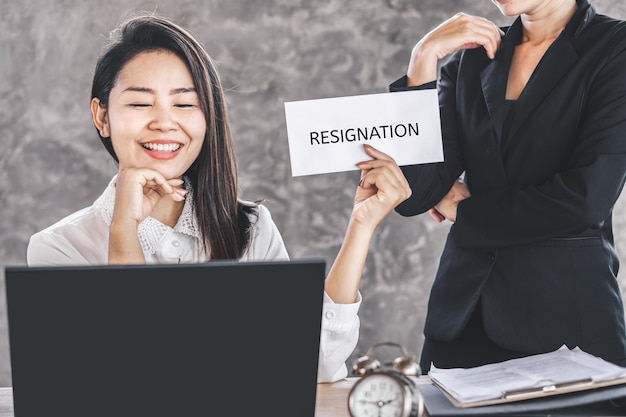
(375, 153)
(138, 190)
(380, 167)
(385, 175)
(386, 183)
(173, 187)
(179, 192)
(152, 182)
(474, 31)
(446, 209)
(463, 31)
(435, 214)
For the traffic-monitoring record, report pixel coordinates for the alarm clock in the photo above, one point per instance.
(385, 389)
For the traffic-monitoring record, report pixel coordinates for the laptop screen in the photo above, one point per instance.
(220, 338)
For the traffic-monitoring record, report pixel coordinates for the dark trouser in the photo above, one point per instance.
(472, 348)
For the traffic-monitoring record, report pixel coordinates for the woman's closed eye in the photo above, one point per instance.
(178, 105)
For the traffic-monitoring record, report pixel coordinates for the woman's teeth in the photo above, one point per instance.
(163, 147)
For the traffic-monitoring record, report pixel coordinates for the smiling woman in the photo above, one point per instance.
(155, 88)
(158, 106)
(157, 133)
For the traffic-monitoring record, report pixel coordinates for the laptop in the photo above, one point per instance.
(223, 338)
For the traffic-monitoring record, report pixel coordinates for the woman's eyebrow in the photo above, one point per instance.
(173, 91)
(182, 90)
(139, 90)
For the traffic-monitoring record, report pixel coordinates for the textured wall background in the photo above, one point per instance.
(269, 52)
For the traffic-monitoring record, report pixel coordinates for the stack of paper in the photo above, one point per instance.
(536, 376)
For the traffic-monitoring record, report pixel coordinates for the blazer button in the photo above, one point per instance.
(491, 257)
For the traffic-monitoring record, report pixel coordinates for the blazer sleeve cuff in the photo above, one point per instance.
(401, 85)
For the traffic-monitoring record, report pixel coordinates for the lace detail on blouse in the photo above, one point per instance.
(150, 230)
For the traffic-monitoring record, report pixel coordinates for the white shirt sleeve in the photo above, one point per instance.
(78, 239)
(340, 334)
(49, 250)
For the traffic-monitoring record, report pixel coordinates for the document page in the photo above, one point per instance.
(527, 377)
(327, 135)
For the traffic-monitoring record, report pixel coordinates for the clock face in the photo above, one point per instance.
(379, 395)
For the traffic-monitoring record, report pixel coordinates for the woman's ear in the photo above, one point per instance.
(100, 117)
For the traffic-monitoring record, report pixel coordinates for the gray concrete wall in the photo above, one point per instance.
(269, 52)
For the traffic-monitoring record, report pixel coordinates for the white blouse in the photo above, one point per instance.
(82, 238)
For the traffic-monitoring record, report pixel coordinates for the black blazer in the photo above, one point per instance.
(534, 242)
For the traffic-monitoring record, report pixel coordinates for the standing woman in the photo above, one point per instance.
(534, 116)
(159, 108)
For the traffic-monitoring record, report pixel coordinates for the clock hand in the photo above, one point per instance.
(383, 403)
(377, 403)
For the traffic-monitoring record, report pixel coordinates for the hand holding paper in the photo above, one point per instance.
(382, 187)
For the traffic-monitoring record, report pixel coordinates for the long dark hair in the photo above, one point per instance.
(222, 218)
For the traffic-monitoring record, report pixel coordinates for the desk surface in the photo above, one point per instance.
(332, 399)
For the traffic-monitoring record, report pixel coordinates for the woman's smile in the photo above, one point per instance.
(162, 149)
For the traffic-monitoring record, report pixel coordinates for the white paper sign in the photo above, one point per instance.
(327, 135)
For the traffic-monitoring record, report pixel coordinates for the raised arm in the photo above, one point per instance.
(461, 31)
(381, 188)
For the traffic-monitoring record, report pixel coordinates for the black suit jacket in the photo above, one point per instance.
(534, 242)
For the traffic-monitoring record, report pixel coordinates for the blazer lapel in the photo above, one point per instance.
(555, 63)
(494, 78)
